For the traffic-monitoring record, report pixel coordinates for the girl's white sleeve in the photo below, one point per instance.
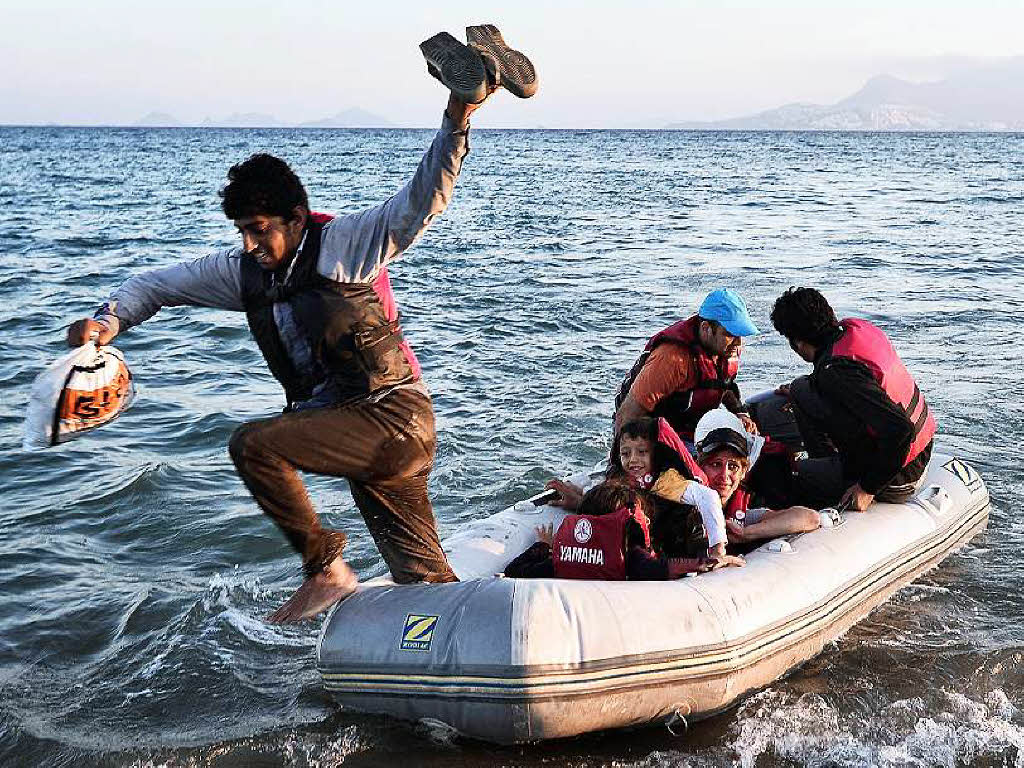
(710, 505)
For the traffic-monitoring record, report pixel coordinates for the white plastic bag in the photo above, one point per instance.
(83, 390)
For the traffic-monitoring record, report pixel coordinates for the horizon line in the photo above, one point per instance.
(666, 129)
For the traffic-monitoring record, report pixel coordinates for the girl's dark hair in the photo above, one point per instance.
(803, 314)
(662, 457)
(609, 497)
(263, 185)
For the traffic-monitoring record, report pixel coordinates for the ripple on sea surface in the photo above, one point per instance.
(135, 571)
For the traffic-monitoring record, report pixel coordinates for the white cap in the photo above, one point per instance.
(720, 418)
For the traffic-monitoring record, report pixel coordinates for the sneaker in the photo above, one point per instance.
(515, 72)
(459, 68)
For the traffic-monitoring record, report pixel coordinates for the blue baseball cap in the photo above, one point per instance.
(727, 308)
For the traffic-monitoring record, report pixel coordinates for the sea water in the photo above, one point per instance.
(135, 571)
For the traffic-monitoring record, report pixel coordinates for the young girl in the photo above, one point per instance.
(648, 454)
(609, 539)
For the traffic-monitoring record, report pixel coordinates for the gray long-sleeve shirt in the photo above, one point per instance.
(354, 249)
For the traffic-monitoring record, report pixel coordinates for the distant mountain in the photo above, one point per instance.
(351, 118)
(157, 120)
(979, 97)
(347, 118)
(244, 120)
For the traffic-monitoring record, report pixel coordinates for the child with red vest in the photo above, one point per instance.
(688, 533)
(609, 539)
(650, 455)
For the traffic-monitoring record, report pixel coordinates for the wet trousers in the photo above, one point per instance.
(385, 449)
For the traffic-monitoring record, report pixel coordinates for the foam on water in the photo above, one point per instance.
(944, 729)
(293, 749)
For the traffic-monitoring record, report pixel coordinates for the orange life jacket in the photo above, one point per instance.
(715, 376)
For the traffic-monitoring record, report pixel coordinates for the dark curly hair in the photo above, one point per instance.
(662, 456)
(611, 496)
(263, 185)
(803, 314)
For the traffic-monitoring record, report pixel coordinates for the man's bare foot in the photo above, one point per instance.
(317, 594)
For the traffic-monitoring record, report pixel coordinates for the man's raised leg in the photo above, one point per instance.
(386, 453)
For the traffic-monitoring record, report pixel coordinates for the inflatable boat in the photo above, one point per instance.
(517, 660)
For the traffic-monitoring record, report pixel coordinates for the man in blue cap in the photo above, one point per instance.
(690, 368)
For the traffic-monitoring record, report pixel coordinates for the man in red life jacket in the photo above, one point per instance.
(863, 419)
(318, 299)
(690, 367)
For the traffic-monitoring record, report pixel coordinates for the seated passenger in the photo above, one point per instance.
(690, 367)
(608, 540)
(648, 454)
(863, 419)
(725, 453)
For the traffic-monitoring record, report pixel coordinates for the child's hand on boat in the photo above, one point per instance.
(545, 533)
(719, 559)
(570, 495)
(726, 561)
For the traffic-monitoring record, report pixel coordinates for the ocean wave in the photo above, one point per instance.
(950, 729)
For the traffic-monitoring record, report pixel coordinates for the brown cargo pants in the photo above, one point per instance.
(385, 450)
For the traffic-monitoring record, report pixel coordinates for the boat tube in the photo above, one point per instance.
(521, 660)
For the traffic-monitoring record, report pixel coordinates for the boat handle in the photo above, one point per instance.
(936, 497)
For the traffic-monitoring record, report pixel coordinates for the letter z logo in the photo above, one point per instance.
(418, 632)
(965, 473)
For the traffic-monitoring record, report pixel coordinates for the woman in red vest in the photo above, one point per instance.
(725, 454)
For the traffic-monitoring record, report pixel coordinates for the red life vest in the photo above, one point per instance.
(353, 328)
(715, 376)
(868, 344)
(594, 546)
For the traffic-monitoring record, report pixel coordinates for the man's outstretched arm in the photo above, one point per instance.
(212, 281)
(357, 245)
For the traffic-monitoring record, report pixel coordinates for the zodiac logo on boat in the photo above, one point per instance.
(418, 632)
(583, 531)
(965, 472)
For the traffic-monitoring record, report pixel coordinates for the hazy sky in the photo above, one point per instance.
(601, 64)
